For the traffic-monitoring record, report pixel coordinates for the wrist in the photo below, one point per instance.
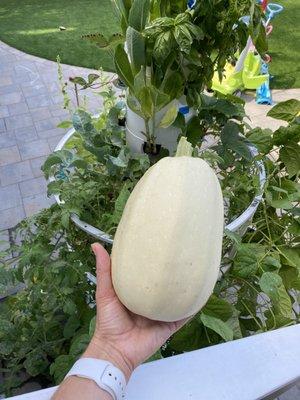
(103, 350)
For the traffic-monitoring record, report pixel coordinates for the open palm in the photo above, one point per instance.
(124, 335)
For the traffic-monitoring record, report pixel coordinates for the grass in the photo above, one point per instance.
(33, 26)
(284, 46)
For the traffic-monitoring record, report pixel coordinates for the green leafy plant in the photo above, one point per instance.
(171, 51)
(48, 323)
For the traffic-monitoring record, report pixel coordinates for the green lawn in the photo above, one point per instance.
(33, 26)
(284, 46)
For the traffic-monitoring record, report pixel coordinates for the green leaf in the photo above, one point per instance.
(123, 66)
(79, 163)
(71, 326)
(231, 138)
(290, 156)
(158, 26)
(170, 116)
(262, 139)
(294, 228)
(231, 98)
(290, 256)
(139, 14)
(79, 345)
(234, 323)
(53, 159)
(78, 80)
(183, 38)
(173, 85)
(36, 362)
(234, 237)
(246, 261)
(286, 110)
(182, 18)
(194, 132)
(271, 262)
(120, 6)
(6, 348)
(136, 48)
(223, 106)
(283, 305)
(218, 326)
(218, 308)
(160, 99)
(151, 101)
(287, 134)
(61, 367)
(92, 78)
(133, 103)
(179, 122)
(196, 31)
(270, 283)
(83, 124)
(277, 321)
(146, 101)
(121, 201)
(284, 196)
(290, 277)
(139, 80)
(65, 124)
(163, 46)
(65, 219)
(119, 162)
(69, 307)
(188, 338)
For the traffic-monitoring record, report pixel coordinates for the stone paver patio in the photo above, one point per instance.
(30, 109)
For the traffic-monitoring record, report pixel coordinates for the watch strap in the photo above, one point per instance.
(103, 373)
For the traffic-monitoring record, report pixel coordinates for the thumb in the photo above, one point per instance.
(104, 283)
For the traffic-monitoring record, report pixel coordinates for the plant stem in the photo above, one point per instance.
(255, 319)
(76, 93)
(148, 133)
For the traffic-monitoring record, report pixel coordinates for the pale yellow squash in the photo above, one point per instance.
(167, 249)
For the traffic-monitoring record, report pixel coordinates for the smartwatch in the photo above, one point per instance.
(103, 373)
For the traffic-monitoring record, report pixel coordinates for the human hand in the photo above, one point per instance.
(121, 337)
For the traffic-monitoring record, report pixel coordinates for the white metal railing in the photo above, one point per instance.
(252, 368)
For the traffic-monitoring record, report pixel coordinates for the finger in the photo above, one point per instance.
(104, 282)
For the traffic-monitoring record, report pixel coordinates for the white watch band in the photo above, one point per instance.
(103, 373)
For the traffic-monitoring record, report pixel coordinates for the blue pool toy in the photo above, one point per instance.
(263, 93)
